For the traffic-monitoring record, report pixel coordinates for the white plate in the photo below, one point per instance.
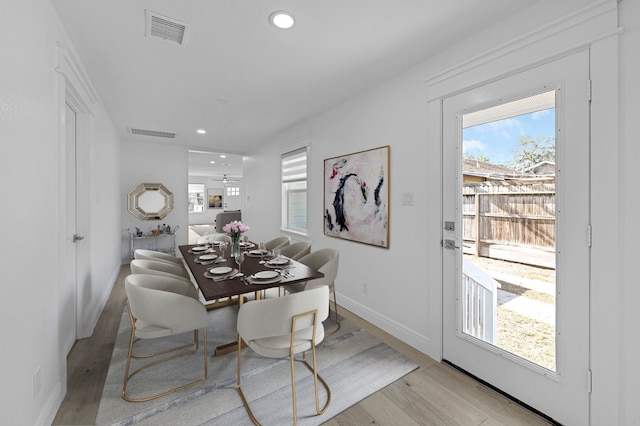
(221, 270)
(199, 248)
(245, 244)
(206, 257)
(216, 242)
(265, 275)
(279, 261)
(258, 252)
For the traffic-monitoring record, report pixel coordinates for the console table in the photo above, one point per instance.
(153, 242)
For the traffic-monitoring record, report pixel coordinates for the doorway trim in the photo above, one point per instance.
(74, 88)
(594, 27)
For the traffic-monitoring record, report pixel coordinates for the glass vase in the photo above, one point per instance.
(235, 245)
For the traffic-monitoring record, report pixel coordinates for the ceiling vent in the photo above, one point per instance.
(154, 133)
(165, 28)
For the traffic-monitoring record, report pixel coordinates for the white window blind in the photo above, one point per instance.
(294, 190)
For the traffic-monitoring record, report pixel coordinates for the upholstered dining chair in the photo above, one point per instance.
(160, 307)
(157, 267)
(325, 260)
(207, 239)
(296, 250)
(156, 255)
(285, 326)
(278, 242)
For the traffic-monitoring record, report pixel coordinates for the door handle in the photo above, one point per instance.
(77, 238)
(450, 245)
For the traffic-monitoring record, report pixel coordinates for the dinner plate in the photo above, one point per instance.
(207, 257)
(265, 275)
(221, 270)
(256, 281)
(199, 248)
(245, 244)
(279, 261)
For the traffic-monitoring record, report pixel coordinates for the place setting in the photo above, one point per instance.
(265, 277)
(222, 273)
(208, 259)
(199, 250)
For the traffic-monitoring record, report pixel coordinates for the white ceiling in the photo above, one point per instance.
(243, 80)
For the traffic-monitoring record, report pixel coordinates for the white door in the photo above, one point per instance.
(68, 291)
(232, 196)
(559, 390)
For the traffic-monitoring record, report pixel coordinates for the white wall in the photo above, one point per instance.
(32, 202)
(397, 113)
(154, 163)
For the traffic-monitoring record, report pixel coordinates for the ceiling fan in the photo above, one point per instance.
(226, 179)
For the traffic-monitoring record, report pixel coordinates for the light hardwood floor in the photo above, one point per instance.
(434, 394)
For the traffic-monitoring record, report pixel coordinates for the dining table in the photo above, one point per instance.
(216, 275)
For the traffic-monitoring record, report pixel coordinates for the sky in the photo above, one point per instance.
(498, 140)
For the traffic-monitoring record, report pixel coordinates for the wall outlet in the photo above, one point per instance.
(37, 382)
(365, 289)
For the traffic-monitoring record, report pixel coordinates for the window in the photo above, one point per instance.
(233, 191)
(196, 198)
(294, 190)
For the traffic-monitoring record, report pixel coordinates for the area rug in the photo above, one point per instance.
(353, 363)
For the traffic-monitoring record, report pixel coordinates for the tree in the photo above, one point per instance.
(530, 152)
(479, 157)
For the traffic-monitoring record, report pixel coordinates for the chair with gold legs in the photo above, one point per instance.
(157, 255)
(296, 250)
(156, 267)
(285, 326)
(277, 243)
(160, 307)
(325, 260)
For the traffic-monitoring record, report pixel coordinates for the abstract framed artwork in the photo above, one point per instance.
(356, 197)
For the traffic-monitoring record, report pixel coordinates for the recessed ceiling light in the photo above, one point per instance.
(201, 131)
(281, 19)
(223, 156)
(212, 162)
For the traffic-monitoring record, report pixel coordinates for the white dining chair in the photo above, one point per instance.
(283, 327)
(156, 255)
(296, 250)
(208, 239)
(277, 243)
(325, 260)
(160, 307)
(156, 267)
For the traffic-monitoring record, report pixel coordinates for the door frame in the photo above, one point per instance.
(570, 247)
(74, 88)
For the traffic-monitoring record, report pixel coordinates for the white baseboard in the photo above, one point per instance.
(400, 331)
(51, 406)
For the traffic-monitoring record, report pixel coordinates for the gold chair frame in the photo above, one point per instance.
(130, 355)
(314, 370)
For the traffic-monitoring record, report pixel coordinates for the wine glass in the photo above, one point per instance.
(262, 252)
(223, 247)
(239, 260)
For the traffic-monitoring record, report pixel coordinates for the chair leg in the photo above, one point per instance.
(130, 355)
(335, 308)
(316, 378)
(239, 373)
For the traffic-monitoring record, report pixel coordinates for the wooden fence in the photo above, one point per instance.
(510, 221)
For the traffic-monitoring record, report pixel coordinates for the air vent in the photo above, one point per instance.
(165, 28)
(154, 133)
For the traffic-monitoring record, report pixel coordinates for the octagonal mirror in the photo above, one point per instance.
(150, 201)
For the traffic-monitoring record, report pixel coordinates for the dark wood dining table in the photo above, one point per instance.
(230, 291)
